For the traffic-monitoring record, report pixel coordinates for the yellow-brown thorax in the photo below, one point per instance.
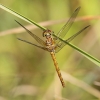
(49, 40)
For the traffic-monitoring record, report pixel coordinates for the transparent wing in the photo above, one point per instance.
(40, 41)
(68, 25)
(61, 44)
(65, 29)
(72, 37)
(33, 44)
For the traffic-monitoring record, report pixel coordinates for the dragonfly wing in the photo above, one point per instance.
(73, 36)
(33, 44)
(61, 44)
(65, 29)
(68, 25)
(40, 41)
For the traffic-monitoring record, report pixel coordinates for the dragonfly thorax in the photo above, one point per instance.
(50, 43)
(49, 40)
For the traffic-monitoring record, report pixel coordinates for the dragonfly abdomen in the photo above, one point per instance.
(57, 68)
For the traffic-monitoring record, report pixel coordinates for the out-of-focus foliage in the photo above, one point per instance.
(28, 73)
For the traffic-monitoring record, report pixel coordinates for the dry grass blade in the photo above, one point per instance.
(81, 84)
(46, 23)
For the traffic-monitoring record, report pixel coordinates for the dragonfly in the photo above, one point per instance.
(53, 44)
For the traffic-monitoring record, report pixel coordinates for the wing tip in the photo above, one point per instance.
(78, 8)
(17, 21)
(87, 26)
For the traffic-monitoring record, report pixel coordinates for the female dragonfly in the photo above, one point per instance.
(52, 43)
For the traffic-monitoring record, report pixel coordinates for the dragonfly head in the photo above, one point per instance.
(47, 33)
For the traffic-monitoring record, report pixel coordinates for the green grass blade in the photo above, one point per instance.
(88, 56)
(21, 16)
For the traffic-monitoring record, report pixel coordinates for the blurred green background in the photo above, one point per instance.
(28, 73)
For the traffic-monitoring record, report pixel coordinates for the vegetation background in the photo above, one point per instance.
(28, 73)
